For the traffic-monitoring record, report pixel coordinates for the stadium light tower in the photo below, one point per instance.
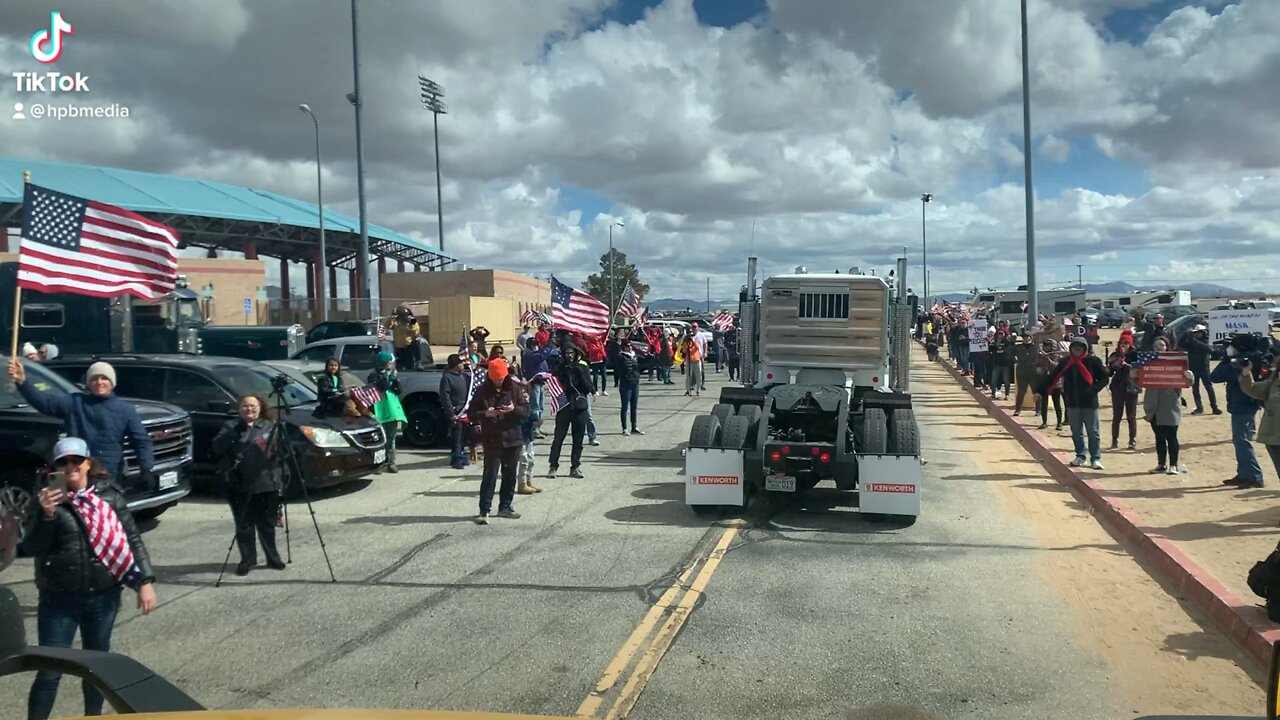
(433, 100)
(925, 199)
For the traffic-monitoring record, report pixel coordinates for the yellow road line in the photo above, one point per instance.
(618, 664)
(648, 662)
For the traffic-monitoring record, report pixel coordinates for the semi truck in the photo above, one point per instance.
(84, 324)
(825, 397)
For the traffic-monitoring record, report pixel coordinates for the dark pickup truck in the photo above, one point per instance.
(27, 439)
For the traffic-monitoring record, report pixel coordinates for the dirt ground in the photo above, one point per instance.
(1222, 528)
(1162, 654)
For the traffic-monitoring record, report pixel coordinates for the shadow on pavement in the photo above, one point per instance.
(396, 520)
(674, 513)
(989, 477)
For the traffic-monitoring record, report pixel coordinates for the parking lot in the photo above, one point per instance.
(609, 598)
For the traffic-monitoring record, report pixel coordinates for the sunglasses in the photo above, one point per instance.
(68, 460)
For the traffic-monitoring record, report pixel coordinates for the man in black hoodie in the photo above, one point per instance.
(1083, 377)
(455, 386)
(1027, 368)
(1197, 347)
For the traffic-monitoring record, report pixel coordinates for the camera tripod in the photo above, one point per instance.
(285, 460)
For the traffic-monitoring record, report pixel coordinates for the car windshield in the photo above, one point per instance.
(38, 376)
(256, 380)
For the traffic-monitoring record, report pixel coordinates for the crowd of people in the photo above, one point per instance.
(1058, 362)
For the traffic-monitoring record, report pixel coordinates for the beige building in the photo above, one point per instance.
(467, 298)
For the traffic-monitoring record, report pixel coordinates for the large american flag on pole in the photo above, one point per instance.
(723, 321)
(630, 305)
(576, 311)
(70, 244)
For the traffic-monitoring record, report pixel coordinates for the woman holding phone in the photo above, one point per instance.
(87, 549)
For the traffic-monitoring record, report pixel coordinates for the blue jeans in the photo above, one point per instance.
(537, 395)
(1243, 428)
(458, 445)
(630, 393)
(962, 358)
(1001, 376)
(591, 420)
(58, 614)
(1079, 419)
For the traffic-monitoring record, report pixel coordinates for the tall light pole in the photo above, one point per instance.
(362, 260)
(323, 270)
(612, 308)
(433, 100)
(1080, 276)
(1033, 304)
(925, 199)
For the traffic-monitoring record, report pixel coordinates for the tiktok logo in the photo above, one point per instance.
(46, 45)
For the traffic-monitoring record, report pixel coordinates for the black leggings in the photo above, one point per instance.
(1166, 443)
(1057, 407)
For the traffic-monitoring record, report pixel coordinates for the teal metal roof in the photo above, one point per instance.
(283, 223)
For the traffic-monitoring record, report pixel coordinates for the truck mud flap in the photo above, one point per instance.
(714, 476)
(889, 484)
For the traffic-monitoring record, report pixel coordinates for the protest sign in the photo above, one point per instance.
(1167, 371)
(978, 336)
(1225, 323)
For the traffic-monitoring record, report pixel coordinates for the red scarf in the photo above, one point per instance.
(1074, 362)
(107, 537)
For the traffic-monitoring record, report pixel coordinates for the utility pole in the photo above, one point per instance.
(613, 308)
(1033, 304)
(708, 294)
(1080, 276)
(925, 199)
(362, 259)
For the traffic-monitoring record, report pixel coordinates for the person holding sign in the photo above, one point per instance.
(1162, 407)
(1268, 393)
(1083, 376)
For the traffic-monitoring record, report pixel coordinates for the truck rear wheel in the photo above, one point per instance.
(875, 431)
(735, 433)
(705, 432)
(723, 411)
(904, 436)
(750, 412)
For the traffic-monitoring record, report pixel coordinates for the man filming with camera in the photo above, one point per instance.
(252, 476)
(1261, 385)
(1243, 410)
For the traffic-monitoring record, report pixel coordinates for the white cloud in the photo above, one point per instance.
(1055, 148)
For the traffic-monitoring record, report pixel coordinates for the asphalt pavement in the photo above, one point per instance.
(610, 582)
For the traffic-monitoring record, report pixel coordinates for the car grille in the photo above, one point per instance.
(171, 440)
(369, 438)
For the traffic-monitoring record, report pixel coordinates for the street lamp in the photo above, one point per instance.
(323, 270)
(612, 307)
(925, 199)
(354, 97)
(433, 100)
(1033, 304)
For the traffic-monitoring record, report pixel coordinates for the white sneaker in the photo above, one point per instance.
(1173, 470)
(1078, 462)
(1096, 465)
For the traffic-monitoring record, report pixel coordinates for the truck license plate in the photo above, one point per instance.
(379, 456)
(780, 483)
(168, 480)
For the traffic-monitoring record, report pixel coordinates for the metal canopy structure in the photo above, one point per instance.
(215, 215)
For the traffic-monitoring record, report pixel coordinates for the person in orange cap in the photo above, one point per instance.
(503, 404)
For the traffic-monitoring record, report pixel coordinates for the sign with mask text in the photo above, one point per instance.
(978, 336)
(1225, 323)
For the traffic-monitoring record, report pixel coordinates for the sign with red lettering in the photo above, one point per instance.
(889, 488)
(715, 480)
(1166, 371)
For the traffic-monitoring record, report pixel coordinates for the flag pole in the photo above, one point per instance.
(17, 289)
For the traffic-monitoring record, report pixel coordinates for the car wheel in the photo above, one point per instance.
(426, 425)
(17, 497)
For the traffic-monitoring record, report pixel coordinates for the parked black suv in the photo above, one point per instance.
(331, 451)
(27, 439)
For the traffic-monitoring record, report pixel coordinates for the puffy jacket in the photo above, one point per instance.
(1238, 401)
(595, 351)
(103, 422)
(1076, 393)
(1268, 393)
(533, 362)
(64, 560)
(628, 368)
(1162, 406)
(504, 430)
(454, 387)
(245, 462)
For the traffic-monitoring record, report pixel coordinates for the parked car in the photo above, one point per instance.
(1090, 315)
(330, 329)
(27, 439)
(427, 425)
(1173, 312)
(330, 450)
(252, 342)
(1111, 317)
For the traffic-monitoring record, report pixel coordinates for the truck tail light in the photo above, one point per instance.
(775, 456)
(875, 379)
(824, 457)
(786, 449)
(816, 450)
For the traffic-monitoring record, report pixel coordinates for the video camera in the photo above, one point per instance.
(278, 384)
(1255, 348)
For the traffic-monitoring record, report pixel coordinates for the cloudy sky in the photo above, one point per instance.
(817, 123)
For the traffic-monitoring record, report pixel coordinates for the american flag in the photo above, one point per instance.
(1145, 357)
(574, 310)
(477, 377)
(70, 244)
(534, 317)
(107, 537)
(553, 389)
(723, 321)
(630, 305)
(368, 395)
(382, 330)
(643, 317)
(463, 344)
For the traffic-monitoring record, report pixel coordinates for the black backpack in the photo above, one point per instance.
(1264, 581)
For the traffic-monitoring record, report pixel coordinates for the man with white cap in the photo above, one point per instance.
(1197, 347)
(99, 416)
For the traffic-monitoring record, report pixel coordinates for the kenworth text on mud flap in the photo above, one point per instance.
(825, 361)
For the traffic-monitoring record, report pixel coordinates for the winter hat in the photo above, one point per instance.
(103, 369)
(1077, 340)
(385, 357)
(29, 349)
(1199, 328)
(1126, 336)
(497, 369)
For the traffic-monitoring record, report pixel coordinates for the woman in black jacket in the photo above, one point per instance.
(253, 479)
(329, 389)
(576, 384)
(80, 572)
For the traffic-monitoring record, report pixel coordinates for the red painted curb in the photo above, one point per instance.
(1247, 625)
